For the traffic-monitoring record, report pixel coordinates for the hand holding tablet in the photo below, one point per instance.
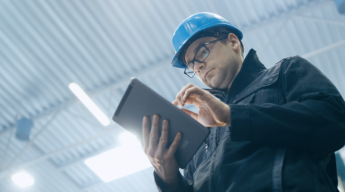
(161, 158)
(139, 101)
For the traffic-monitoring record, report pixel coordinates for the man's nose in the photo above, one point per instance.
(198, 65)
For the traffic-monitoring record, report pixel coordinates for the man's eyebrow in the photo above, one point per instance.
(195, 49)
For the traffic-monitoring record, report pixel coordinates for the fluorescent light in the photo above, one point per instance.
(85, 99)
(119, 162)
(22, 179)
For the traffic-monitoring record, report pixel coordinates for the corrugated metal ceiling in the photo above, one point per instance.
(47, 44)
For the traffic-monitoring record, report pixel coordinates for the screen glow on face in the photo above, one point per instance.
(121, 161)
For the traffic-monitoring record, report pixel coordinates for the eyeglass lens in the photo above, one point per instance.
(200, 57)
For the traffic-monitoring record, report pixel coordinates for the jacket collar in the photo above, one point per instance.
(250, 70)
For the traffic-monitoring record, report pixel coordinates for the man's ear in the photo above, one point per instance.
(235, 42)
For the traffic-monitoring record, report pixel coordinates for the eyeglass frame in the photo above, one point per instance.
(192, 62)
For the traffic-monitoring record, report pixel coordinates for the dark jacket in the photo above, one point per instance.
(286, 124)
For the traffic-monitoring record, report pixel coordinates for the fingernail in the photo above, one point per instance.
(144, 119)
(165, 122)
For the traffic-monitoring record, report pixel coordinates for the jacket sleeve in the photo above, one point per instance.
(312, 118)
(183, 186)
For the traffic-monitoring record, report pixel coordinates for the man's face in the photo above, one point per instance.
(222, 64)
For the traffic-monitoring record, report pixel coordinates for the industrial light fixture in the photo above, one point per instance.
(121, 161)
(85, 99)
(22, 179)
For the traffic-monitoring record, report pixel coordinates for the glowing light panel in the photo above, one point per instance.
(22, 179)
(128, 139)
(121, 161)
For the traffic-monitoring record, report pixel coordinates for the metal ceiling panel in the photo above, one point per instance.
(47, 44)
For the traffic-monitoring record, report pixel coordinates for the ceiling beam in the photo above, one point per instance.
(326, 21)
(324, 49)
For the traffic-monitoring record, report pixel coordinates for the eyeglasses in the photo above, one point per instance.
(200, 56)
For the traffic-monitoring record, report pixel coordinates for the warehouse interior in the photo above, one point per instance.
(45, 45)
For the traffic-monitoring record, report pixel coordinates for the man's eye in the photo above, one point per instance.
(202, 54)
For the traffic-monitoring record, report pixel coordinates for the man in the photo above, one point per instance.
(270, 129)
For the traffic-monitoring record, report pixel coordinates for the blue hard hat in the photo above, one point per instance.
(194, 24)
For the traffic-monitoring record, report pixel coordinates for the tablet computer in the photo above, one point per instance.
(139, 100)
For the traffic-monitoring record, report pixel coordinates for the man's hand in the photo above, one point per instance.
(212, 112)
(162, 159)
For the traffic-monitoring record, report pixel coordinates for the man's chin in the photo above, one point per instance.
(214, 85)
